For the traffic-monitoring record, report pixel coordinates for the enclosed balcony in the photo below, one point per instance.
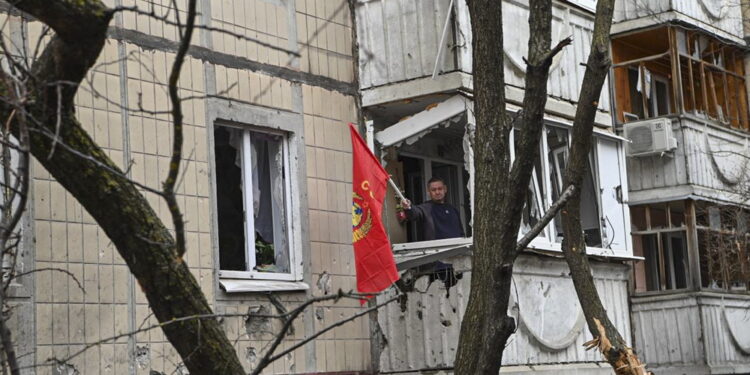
(415, 48)
(695, 84)
(719, 17)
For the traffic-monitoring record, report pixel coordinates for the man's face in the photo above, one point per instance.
(437, 191)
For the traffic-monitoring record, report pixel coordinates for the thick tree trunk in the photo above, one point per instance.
(607, 338)
(499, 187)
(80, 166)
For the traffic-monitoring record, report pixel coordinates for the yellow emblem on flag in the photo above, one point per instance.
(361, 218)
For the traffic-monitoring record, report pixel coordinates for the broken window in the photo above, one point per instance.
(557, 155)
(660, 237)
(252, 201)
(672, 70)
(437, 154)
(431, 143)
(534, 202)
(724, 246)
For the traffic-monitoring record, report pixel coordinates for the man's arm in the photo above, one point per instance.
(413, 212)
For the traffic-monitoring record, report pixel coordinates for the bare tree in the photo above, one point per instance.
(606, 337)
(499, 183)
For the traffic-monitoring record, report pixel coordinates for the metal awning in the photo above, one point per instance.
(410, 130)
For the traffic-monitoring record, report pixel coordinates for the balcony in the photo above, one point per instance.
(697, 82)
(416, 48)
(722, 18)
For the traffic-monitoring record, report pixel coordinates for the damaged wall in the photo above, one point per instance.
(317, 88)
(422, 332)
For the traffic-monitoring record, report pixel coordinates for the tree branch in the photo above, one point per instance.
(174, 163)
(548, 216)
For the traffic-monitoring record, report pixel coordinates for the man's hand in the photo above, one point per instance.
(406, 204)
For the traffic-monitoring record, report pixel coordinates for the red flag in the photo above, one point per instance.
(376, 269)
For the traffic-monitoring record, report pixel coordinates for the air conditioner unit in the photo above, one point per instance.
(649, 137)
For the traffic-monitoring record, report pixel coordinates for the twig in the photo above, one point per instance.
(328, 328)
(174, 163)
(72, 276)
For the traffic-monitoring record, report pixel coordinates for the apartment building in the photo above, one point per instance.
(666, 227)
(416, 83)
(680, 95)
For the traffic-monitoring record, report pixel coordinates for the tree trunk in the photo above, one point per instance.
(499, 187)
(607, 338)
(80, 166)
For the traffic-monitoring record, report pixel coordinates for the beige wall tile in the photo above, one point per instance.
(60, 324)
(106, 283)
(74, 283)
(77, 324)
(44, 324)
(43, 283)
(91, 283)
(59, 249)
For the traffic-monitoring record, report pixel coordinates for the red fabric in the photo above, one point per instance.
(376, 269)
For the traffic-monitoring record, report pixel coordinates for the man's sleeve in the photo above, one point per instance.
(416, 213)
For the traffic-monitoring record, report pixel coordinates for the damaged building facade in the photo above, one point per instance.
(416, 82)
(266, 134)
(680, 95)
(668, 228)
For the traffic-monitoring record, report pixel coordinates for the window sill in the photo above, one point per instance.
(248, 286)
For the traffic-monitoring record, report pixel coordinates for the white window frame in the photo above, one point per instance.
(654, 99)
(247, 199)
(250, 117)
(542, 240)
(586, 4)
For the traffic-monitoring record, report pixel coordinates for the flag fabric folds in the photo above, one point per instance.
(376, 268)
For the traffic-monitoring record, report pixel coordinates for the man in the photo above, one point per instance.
(440, 219)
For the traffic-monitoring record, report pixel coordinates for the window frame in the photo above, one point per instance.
(664, 257)
(247, 199)
(248, 116)
(427, 174)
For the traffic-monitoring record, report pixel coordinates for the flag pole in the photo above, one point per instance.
(395, 187)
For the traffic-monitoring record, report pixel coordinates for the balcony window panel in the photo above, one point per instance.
(638, 218)
(557, 150)
(534, 205)
(652, 264)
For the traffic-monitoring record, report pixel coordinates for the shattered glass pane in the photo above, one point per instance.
(271, 245)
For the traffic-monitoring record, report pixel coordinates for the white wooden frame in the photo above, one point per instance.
(654, 96)
(247, 199)
(291, 125)
(541, 203)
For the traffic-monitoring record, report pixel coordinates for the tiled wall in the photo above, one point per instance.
(123, 108)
